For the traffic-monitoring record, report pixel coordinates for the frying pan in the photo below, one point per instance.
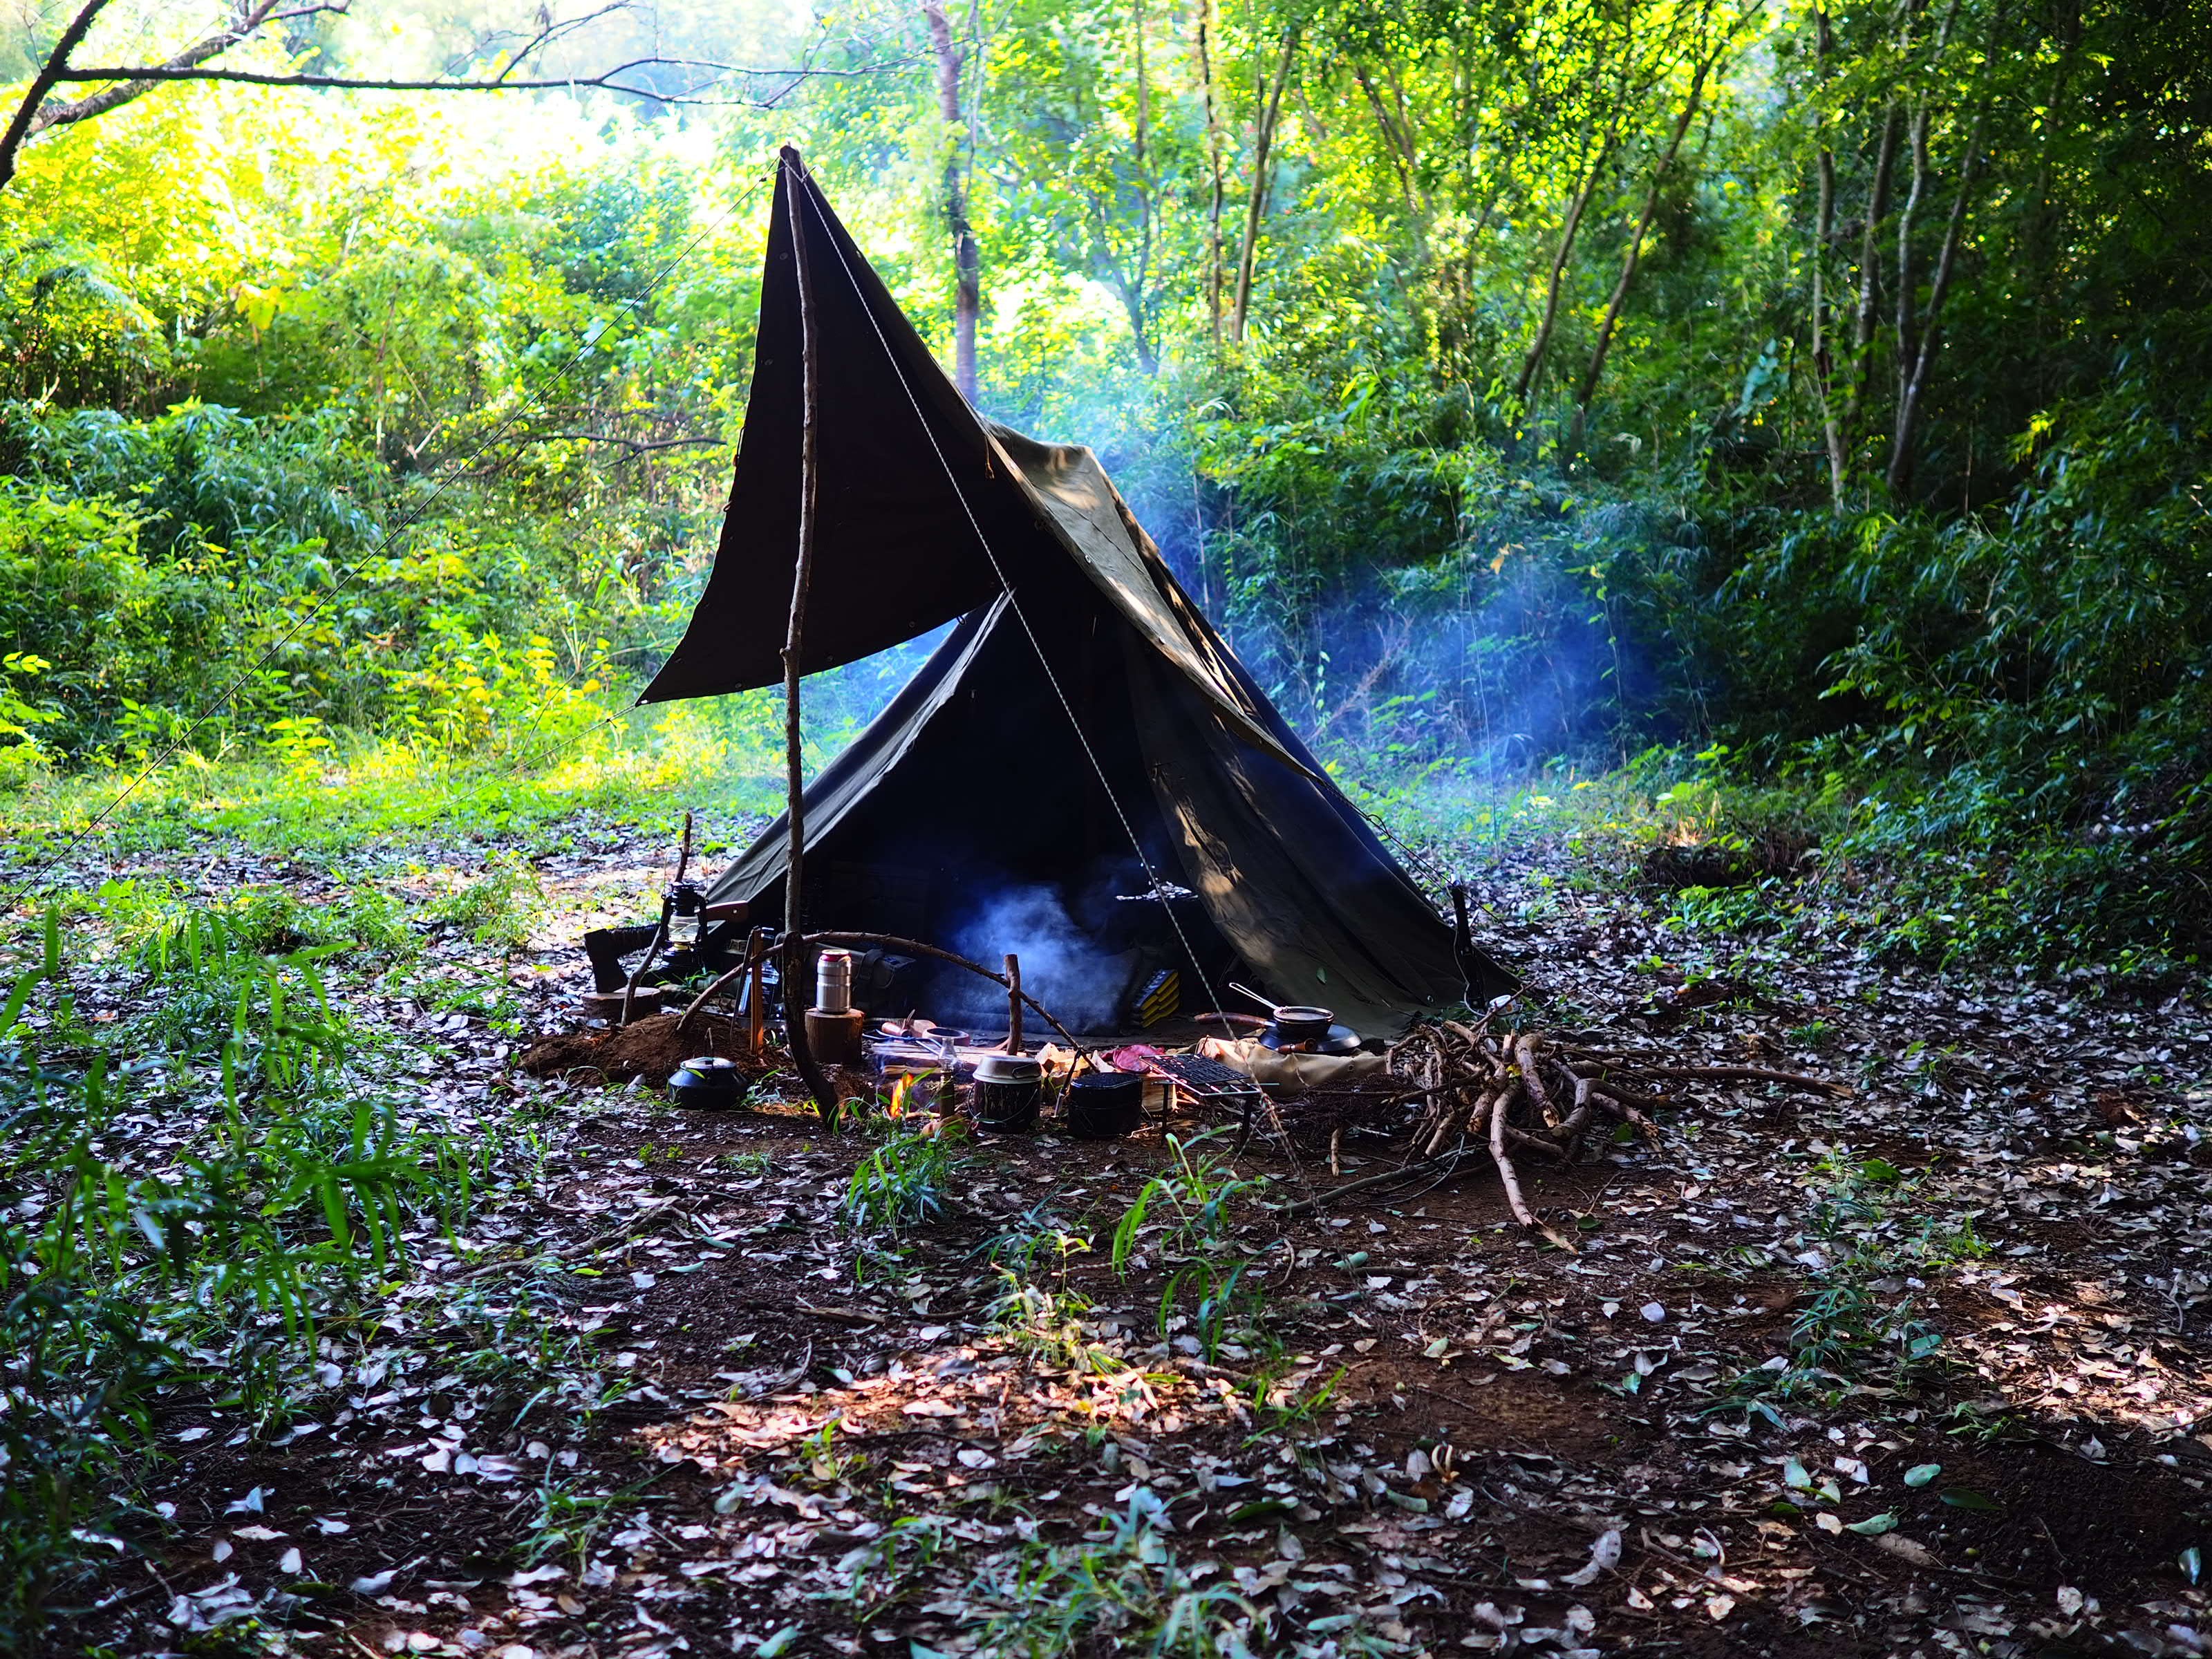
(1302, 1025)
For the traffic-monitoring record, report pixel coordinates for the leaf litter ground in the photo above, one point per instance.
(1922, 1370)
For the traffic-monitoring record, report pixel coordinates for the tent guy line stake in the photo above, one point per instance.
(1044, 661)
(407, 521)
(794, 811)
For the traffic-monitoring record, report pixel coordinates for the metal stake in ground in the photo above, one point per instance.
(794, 950)
(660, 932)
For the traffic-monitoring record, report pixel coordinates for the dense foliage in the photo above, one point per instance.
(1523, 384)
(1782, 431)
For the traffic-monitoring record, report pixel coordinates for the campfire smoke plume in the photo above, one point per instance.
(1061, 967)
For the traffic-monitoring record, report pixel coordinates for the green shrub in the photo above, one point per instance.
(207, 575)
(905, 1180)
(289, 1209)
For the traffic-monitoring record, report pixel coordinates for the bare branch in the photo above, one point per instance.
(122, 84)
(635, 446)
(19, 129)
(548, 33)
(604, 81)
(58, 115)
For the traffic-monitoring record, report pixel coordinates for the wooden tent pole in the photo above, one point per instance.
(794, 948)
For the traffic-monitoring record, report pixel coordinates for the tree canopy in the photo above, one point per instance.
(1517, 382)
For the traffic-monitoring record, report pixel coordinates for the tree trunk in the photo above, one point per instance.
(1464, 265)
(1143, 159)
(794, 954)
(1533, 364)
(966, 258)
(1902, 452)
(1398, 146)
(1140, 328)
(1635, 255)
(1908, 338)
(1256, 201)
(1213, 167)
(2039, 240)
(1824, 231)
(1862, 326)
(1908, 345)
(1913, 363)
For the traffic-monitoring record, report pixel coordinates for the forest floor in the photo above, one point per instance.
(1924, 1369)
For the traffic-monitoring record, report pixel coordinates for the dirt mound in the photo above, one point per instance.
(651, 1049)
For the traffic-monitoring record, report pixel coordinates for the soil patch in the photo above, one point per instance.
(1485, 1409)
(2102, 1526)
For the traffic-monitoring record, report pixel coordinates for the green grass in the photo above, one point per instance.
(1953, 865)
(1213, 1285)
(1038, 1308)
(382, 792)
(905, 1181)
(1861, 1324)
(215, 1262)
(1194, 1201)
(1124, 1585)
(1905, 866)
(534, 772)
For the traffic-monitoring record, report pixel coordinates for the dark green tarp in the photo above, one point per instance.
(973, 784)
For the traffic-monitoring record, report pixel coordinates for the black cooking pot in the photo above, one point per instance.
(1102, 1105)
(708, 1080)
(1296, 1023)
(1299, 1027)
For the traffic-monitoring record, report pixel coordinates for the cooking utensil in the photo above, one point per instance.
(1102, 1105)
(1299, 1023)
(1335, 1040)
(708, 1080)
(1236, 1024)
(1268, 1003)
(1009, 1090)
(1295, 1023)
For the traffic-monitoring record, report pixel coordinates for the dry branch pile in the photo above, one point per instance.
(1505, 1091)
(1473, 1088)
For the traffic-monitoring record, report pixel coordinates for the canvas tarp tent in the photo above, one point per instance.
(1081, 742)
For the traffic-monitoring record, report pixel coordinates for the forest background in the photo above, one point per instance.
(1799, 418)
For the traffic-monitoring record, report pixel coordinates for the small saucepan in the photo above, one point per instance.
(1300, 1022)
